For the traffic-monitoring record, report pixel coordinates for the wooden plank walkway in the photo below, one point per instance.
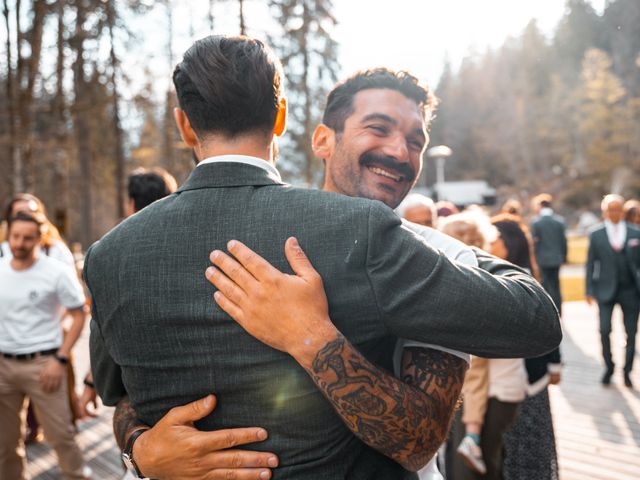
(597, 428)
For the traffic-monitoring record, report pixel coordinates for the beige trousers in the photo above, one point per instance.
(18, 379)
(475, 391)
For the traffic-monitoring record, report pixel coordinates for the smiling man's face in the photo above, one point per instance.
(378, 155)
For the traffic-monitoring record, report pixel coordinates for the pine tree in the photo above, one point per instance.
(309, 57)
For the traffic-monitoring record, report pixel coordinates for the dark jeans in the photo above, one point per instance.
(628, 300)
(550, 277)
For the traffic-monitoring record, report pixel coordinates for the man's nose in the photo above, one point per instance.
(397, 148)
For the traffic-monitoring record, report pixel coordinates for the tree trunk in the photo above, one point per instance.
(167, 127)
(210, 16)
(243, 29)
(59, 119)
(117, 131)
(30, 70)
(81, 127)
(12, 148)
(306, 88)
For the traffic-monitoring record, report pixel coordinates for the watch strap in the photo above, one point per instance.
(127, 453)
(61, 359)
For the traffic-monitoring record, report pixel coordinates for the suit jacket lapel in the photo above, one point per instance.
(228, 174)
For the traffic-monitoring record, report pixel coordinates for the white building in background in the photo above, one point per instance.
(461, 193)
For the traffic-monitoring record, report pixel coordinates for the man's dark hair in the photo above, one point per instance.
(34, 217)
(145, 187)
(229, 85)
(544, 200)
(340, 100)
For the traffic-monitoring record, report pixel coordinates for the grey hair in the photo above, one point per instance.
(610, 198)
(416, 200)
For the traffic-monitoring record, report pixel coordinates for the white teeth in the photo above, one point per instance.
(384, 173)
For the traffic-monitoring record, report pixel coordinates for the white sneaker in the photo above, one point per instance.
(472, 455)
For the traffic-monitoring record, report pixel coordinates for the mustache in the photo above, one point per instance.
(390, 163)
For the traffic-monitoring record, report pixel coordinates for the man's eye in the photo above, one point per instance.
(379, 128)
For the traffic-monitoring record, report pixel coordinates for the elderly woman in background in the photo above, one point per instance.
(632, 212)
(419, 209)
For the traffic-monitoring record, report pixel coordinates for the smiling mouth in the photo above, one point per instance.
(385, 173)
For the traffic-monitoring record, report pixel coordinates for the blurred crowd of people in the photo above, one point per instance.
(505, 429)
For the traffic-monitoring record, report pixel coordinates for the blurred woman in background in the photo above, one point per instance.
(632, 212)
(529, 445)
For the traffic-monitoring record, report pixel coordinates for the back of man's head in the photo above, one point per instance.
(340, 100)
(229, 86)
(543, 200)
(145, 187)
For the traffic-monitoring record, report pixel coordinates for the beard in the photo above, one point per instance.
(21, 253)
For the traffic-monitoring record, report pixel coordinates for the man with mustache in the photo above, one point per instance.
(396, 132)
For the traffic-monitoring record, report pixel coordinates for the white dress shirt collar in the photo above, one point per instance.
(546, 212)
(617, 233)
(255, 161)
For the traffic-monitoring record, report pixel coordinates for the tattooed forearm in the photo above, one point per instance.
(406, 419)
(440, 376)
(125, 422)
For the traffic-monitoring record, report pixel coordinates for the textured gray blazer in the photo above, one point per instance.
(157, 334)
(550, 240)
(602, 274)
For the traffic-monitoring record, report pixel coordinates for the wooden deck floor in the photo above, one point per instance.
(597, 429)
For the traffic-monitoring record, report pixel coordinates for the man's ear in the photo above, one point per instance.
(131, 207)
(323, 141)
(280, 124)
(184, 126)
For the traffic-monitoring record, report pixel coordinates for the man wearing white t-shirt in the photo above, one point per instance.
(35, 292)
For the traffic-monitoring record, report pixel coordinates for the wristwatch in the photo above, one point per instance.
(127, 454)
(62, 360)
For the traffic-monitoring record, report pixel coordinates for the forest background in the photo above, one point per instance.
(555, 112)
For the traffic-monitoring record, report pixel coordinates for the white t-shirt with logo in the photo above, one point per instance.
(33, 302)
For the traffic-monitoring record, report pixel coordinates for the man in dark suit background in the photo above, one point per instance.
(613, 277)
(243, 198)
(550, 245)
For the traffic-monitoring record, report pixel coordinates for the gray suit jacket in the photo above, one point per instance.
(602, 275)
(550, 240)
(157, 334)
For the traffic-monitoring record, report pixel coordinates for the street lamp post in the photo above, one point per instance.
(440, 153)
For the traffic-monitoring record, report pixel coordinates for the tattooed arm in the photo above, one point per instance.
(125, 422)
(440, 376)
(289, 312)
(406, 420)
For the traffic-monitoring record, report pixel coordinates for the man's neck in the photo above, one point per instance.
(242, 145)
(23, 264)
